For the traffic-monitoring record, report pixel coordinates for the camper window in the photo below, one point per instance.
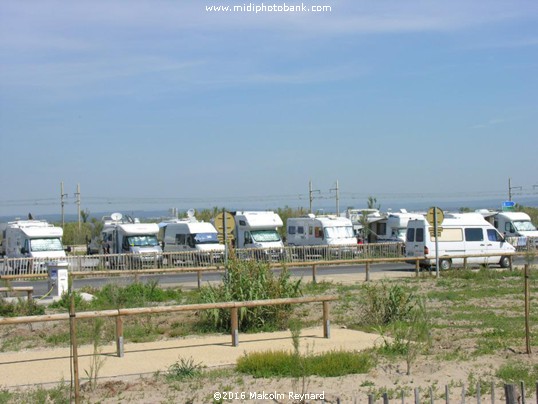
(524, 225)
(300, 230)
(45, 244)
(410, 235)
(318, 232)
(206, 238)
(419, 235)
(291, 229)
(472, 234)
(261, 236)
(180, 239)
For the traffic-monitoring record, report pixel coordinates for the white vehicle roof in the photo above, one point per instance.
(191, 227)
(463, 219)
(325, 221)
(133, 229)
(262, 219)
(515, 215)
(37, 228)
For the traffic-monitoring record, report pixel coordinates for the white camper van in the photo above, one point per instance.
(333, 232)
(462, 234)
(191, 235)
(34, 239)
(516, 224)
(259, 229)
(392, 228)
(125, 235)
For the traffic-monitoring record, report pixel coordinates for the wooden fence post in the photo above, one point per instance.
(510, 393)
(523, 392)
(119, 337)
(314, 273)
(463, 394)
(447, 394)
(478, 395)
(417, 268)
(370, 399)
(199, 274)
(385, 398)
(367, 269)
(74, 346)
(527, 311)
(492, 392)
(417, 396)
(326, 321)
(234, 326)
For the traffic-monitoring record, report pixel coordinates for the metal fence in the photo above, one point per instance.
(197, 259)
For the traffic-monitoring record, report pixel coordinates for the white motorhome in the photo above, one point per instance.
(125, 235)
(361, 217)
(33, 239)
(191, 235)
(333, 232)
(313, 230)
(259, 229)
(462, 234)
(392, 227)
(516, 224)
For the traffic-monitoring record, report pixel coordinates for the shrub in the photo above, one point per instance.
(183, 369)
(20, 307)
(284, 364)
(384, 304)
(250, 280)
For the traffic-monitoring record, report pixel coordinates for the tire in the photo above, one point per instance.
(445, 265)
(505, 262)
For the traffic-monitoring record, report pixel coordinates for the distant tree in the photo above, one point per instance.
(85, 214)
(372, 203)
(465, 210)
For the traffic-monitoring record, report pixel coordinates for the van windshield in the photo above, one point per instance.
(206, 238)
(339, 232)
(45, 244)
(524, 225)
(149, 240)
(261, 236)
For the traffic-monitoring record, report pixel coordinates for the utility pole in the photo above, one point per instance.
(310, 194)
(337, 198)
(62, 203)
(77, 195)
(510, 187)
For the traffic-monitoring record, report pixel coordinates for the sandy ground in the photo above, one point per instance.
(132, 378)
(51, 366)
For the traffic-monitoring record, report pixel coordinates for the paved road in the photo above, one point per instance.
(190, 280)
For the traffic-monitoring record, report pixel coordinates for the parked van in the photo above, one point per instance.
(191, 235)
(462, 234)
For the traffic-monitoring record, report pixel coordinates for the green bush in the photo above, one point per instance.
(20, 307)
(518, 372)
(250, 280)
(286, 364)
(384, 304)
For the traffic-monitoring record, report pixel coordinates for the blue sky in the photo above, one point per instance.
(158, 104)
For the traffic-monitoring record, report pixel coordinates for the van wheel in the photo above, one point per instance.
(504, 262)
(444, 265)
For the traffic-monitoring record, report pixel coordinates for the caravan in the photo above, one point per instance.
(515, 226)
(191, 235)
(462, 234)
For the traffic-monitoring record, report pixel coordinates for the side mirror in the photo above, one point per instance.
(68, 249)
(24, 250)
